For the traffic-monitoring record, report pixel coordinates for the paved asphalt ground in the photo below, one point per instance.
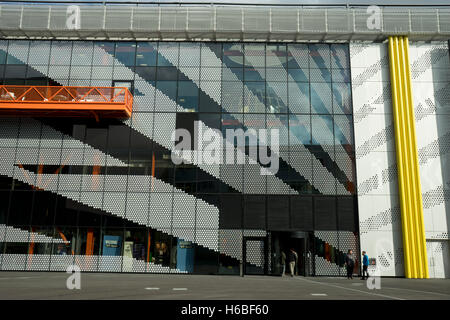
(44, 285)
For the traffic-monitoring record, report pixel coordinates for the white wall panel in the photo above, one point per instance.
(378, 207)
(375, 148)
(430, 67)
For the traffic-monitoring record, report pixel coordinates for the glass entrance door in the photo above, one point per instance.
(283, 242)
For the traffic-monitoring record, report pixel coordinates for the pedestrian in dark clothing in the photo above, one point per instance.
(365, 260)
(291, 258)
(350, 264)
(283, 262)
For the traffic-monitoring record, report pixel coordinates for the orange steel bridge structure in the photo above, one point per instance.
(65, 101)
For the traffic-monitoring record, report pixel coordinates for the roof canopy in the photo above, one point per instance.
(224, 23)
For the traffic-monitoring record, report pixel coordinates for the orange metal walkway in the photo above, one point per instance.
(64, 101)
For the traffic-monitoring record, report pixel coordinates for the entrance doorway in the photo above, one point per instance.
(301, 242)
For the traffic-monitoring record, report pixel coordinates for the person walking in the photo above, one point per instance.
(283, 263)
(291, 258)
(350, 264)
(365, 260)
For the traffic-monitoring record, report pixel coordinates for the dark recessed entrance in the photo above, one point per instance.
(301, 242)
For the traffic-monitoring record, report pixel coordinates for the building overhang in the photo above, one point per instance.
(221, 22)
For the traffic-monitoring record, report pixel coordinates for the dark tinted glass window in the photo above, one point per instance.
(322, 130)
(302, 213)
(14, 82)
(169, 88)
(15, 72)
(3, 55)
(5, 183)
(233, 55)
(118, 141)
(254, 212)
(299, 75)
(97, 137)
(146, 54)
(231, 212)
(206, 103)
(147, 73)
(66, 212)
(212, 120)
(89, 217)
(188, 95)
(325, 213)
(186, 178)
(140, 149)
(44, 210)
(278, 212)
(126, 52)
(34, 74)
(167, 73)
(4, 200)
(207, 183)
(346, 213)
(252, 74)
(21, 207)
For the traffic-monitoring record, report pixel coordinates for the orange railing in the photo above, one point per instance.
(110, 102)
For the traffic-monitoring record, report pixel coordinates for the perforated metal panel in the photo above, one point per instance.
(109, 263)
(18, 52)
(160, 210)
(60, 262)
(39, 262)
(212, 22)
(324, 267)
(150, 201)
(230, 243)
(137, 205)
(254, 256)
(232, 96)
(42, 50)
(82, 53)
(91, 263)
(92, 199)
(189, 54)
(13, 262)
(252, 103)
(321, 98)
(299, 101)
(10, 132)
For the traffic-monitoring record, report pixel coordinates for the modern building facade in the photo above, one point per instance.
(362, 112)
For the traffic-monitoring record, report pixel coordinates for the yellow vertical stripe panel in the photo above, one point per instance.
(423, 259)
(410, 145)
(410, 194)
(396, 102)
(408, 179)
